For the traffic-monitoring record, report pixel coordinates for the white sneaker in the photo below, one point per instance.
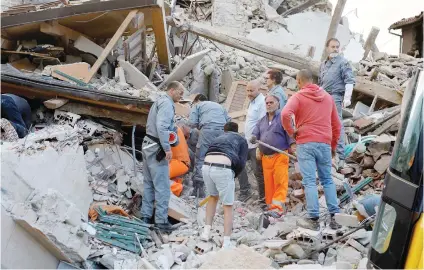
(228, 246)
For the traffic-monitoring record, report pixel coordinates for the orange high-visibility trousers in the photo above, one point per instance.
(177, 168)
(276, 178)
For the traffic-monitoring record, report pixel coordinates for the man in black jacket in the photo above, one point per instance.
(225, 159)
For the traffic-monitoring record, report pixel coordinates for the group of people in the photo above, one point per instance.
(307, 125)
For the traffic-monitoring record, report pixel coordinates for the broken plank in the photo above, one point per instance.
(386, 125)
(77, 70)
(86, 45)
(55, 103)
(180, 71)
(367, 87)
(111, 45)
(24, 64)
(40, 55)
(95, 111)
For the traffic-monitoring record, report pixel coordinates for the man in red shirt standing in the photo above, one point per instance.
(316, 132)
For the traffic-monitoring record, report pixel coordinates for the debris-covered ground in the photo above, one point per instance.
(76, 183)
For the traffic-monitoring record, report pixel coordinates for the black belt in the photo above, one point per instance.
(217, 165)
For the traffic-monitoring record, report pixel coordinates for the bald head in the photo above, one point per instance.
(304, 77)
(252, 89)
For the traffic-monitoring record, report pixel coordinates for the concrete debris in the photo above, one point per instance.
(56, 222)
(239, 258)
(349, 254)
(294, 250)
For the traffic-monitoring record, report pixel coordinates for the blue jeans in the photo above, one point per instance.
(10, 111)
(155, 184)
(338, 99)
(312, 157)
(206, 138)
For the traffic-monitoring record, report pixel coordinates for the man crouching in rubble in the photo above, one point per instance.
(317, 132)
(157, 153)
(225, 159)
(209, 117)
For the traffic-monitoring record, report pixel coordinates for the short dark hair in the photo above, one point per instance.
(231, 126)
(331, 39)
(200, 97)
(173, 84)
(305, 75)
(275, 75)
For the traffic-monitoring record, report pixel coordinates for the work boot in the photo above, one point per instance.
(308, 223)
(164, 227)
(333, 224)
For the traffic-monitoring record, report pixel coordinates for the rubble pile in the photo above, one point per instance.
(388, 70)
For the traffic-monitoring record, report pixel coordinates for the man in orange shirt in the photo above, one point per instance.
(179, 164)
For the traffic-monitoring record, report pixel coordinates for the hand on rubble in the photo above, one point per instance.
(253, 139)
(168, 155)
(258, 154)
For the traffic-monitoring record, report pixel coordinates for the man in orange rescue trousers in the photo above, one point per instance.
(275, 165)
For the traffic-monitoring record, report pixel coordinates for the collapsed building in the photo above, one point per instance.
(92, 69)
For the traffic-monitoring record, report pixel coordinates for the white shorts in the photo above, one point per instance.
(219, 182)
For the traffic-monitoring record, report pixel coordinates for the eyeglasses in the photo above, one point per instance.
(269, 102)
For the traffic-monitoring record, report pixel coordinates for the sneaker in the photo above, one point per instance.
(308, 223)
(333, 224)
(228, 246)
(164, 227)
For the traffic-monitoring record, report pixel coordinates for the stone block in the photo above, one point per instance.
(346, 220)
(294, 250)
(348, 254)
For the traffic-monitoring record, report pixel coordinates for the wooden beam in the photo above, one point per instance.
(300, 7)
(161, 37)
(244, 44)
(372, 89)
(111, 45)
(335, 20)
(372, 36)
(95, 111)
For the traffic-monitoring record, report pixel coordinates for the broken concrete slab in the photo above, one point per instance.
(84, 44)
(47, 168)
(46, 217)
(178, 208)
(295, 251)
(382, 164)
(79, 71)
(229, 14)
(241, 257)
(349, 254)
(180, 71)
(357, 246)
(346, 220)
(135, 77)
(277, 244)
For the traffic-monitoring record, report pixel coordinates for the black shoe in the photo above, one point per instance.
(164, 227)
(308, 223)
(333, 224)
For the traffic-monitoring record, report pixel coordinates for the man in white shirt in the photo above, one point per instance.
(255, 111)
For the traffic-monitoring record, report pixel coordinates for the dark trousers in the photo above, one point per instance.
(258, 172)
(10, 111)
